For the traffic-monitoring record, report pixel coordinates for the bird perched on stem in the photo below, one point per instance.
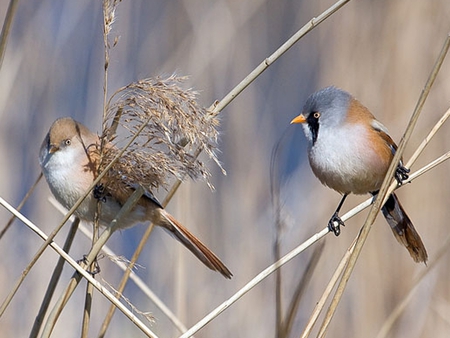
(350, 151)
(70, 159)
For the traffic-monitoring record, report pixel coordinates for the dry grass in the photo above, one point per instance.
(176, 126)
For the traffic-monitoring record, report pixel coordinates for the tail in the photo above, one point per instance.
(403, 229)
(192, 243)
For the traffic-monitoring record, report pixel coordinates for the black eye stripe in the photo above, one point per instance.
(313, 124)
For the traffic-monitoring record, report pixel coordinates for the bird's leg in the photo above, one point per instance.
(401, 173)
(96, 267)
(334, 224)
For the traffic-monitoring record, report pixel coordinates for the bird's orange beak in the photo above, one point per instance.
(299, 119)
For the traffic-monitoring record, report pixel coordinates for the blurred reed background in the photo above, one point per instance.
(381, 51)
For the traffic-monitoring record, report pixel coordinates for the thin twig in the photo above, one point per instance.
(398, 310)
(12, 7)
(76, 278)
(21, 204)
(89, 294)
(89, 287)
(52, 235)
(108, 19)
(135, 278)
(429, 166)
(134, 259)
(428, 138)
(313, 23)
(81, 271)
(321, 303)
(301, 288)
(219, 106)
(276, 205)
(285, 259)
(178, 324)
(255, 281)
(54, 280)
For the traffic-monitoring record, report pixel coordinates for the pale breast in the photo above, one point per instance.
(346, 161)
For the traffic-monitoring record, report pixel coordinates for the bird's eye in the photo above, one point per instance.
(316, 115)
(67, 142)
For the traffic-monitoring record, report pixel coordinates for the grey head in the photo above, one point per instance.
(332, 104)
(323, 109)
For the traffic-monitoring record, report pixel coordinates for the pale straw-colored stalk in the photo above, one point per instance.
(218, 106)
(285, 259)
(12, 8)
(128, 269)
(80, 270)
(386, 189)
(50, 238)
(401, 306)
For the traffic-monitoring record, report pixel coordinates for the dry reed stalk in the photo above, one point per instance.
(21, 204)
(279, 225)
(156, 113)
(398, 310)
(319, 307)
(49, 238)
(109, 16)
(76, 278)
(127, 268)
(327, 292)
(387, 188)
(313, 23)
(128, 273)
(287, 324)
(89, 295)
(56, 275)
(11, 11)
(428, 138)
(284, 322)
(216, 108)
(261, 276)
(158, 146)
(80, 270)
(288, 257)
(252, 283)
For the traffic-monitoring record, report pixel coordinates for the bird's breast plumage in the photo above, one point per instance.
(345, 160)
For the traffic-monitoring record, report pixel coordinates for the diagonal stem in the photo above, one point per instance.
(76, 278)
(384, 192)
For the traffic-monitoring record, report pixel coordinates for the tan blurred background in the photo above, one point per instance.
(381, 51)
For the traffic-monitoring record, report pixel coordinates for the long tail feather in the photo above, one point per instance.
(193, 244)
(404, 230)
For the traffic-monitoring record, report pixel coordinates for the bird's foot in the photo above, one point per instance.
(94, 269)
(335, 223)
(99, 192)
(401, 174)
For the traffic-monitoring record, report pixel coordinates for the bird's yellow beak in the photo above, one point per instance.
(53, 149)
(299, 119)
